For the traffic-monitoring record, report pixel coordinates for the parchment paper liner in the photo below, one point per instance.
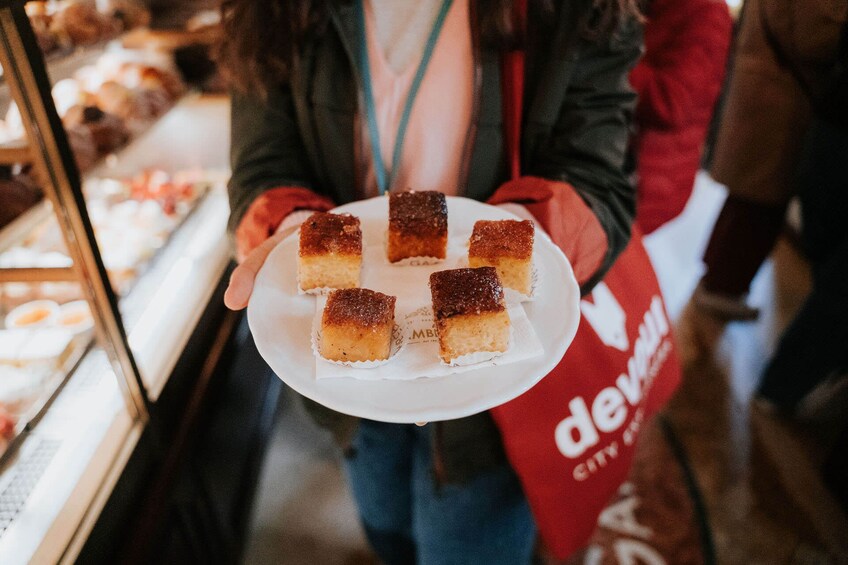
(399, 340)
(320, 291)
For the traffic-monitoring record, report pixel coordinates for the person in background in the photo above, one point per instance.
(678, 82)
(303, 140)
(787, 73)
(783, 57)
(814, 347)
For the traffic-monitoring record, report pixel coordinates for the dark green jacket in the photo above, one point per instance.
(578, 104)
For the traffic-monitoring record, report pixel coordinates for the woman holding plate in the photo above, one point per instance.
(339, 100)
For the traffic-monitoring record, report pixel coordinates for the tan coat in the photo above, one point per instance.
(767, 111)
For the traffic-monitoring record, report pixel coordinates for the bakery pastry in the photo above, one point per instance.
(82, 145)
(68, 93)
(32, 314)
(107, 130)
(134, 74)
(130, 13)
(330, 254)
(418, 225)
(36, 9)
(146, 106)
(357, 325)
(156, 78)
(469, 311)
(75, 317)
(506, 245)
(79, 23)
(115, 98)
(40, 20)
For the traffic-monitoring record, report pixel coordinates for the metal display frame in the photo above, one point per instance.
(48, 147)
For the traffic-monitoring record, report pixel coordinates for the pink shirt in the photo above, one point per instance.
(441, 115)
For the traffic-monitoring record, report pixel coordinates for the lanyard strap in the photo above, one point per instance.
(384, 180)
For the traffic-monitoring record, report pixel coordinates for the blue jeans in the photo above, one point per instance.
(408, 518)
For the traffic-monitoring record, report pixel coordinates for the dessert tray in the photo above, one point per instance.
(281, 320)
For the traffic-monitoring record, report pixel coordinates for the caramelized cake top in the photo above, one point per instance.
(324, 233)
(423, 213)
(502, 238)
(359, 306)
(466, 291)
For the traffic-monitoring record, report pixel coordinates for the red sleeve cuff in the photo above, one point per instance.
(568, 220)
(268, 210)
(639, 77)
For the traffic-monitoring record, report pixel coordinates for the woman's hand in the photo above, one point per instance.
(271, 211)
(561, 212)
(240, 288)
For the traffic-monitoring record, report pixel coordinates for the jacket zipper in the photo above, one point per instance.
(471, 137)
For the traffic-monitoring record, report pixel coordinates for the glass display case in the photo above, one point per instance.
(112, 242)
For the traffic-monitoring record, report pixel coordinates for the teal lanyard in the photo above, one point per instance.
(384, 178)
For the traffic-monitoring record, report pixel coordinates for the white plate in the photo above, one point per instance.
(281, 321)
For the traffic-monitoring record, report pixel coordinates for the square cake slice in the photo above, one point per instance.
(418, 225)
(357, 325)
(470, 313)
(330, 254)
(506, 245)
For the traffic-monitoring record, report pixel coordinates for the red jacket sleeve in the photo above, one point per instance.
(563, 214)
(686, 51)
(268, 210)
